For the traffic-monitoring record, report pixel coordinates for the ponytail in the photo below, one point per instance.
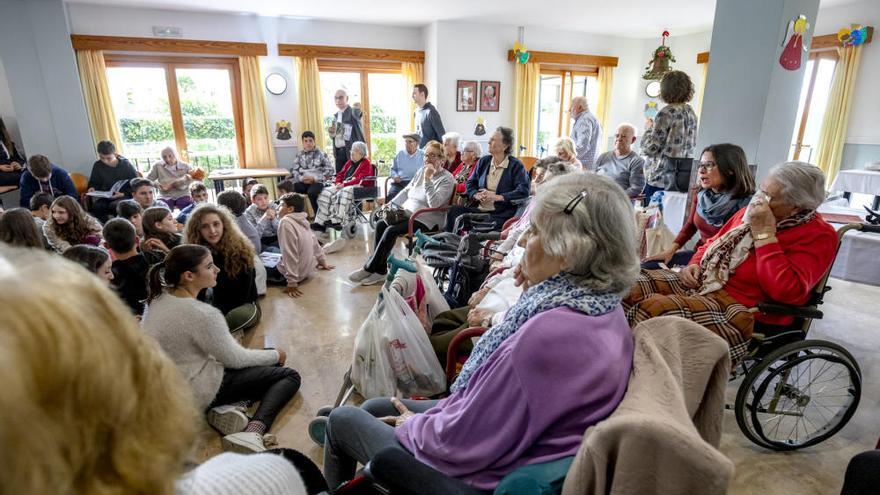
(181, 259)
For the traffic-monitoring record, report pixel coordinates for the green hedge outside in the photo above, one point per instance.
(151, 130)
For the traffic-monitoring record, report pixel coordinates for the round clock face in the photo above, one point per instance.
(276, 84)
(653, 89)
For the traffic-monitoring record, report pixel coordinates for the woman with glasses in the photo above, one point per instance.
(527, 393)
(431, 187)
(726, 186)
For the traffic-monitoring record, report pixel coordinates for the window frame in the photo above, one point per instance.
(171, 64)
(567, 73)
(815, 56)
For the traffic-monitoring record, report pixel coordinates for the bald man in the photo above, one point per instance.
(585, 132)
(346, 129)
(623, 164)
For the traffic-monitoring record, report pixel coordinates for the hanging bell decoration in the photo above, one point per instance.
(660, 62)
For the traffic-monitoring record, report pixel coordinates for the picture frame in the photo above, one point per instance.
(466, 96)
(490, 96)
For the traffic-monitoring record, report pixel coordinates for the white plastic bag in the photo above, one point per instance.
(371, 371)
(413, 361)
(433, 296)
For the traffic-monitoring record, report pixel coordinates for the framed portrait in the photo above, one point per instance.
(490, 95)
(466, 96)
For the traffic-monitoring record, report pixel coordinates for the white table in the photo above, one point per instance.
(858, 181)
(674, 210)
(857, 257)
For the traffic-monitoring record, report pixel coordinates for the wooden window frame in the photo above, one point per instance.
(364, 68)
(815, 56)
(170, 64)
(568, 74)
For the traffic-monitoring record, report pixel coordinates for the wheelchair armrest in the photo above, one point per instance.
(771, 308)
(399, 472)
(867, 227)
(452, 350)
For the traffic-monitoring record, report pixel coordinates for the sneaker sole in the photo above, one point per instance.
(228, 422)
(368, 283)
(234, 445)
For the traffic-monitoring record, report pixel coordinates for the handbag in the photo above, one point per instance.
(392, 214)
(677, 173)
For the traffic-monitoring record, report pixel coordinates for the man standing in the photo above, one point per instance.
(585, 132)
(346, 129)
(407, 162)
(428, 122)
(623, 164)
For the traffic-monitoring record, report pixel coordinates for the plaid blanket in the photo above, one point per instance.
(661, 293)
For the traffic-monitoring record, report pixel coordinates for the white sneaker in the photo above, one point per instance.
(334, 246)
(358, 275)
(324, 238)
(227, 419)
(244, 442)
(373, 279)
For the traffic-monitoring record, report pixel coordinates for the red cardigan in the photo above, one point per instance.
(695, 223)
(460, 188)
(364, 169)
(786, 271)
(454, 164)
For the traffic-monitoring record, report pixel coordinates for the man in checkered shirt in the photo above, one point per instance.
(585, 132)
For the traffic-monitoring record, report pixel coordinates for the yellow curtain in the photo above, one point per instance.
(833, 133)
(603, 103)
(525, 86)
(96, 92)
(258, 149)
(698, 101)
(310, 104)
(413, 73)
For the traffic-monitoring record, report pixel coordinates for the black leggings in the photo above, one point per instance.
(273, 386)
(312, 190)
(862, 474)
(10, 178)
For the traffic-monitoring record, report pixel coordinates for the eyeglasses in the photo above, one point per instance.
(709, 166)
(574, 202)
(433, 155)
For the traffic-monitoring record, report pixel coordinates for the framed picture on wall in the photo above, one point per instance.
(466, 96)
(490, 95)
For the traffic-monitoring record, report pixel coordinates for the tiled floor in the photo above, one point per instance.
(318, 331)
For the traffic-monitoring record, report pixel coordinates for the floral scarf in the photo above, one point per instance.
(560, 290)
(730, 250)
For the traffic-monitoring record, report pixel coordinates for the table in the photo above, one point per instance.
(221, 176)
(858, 181)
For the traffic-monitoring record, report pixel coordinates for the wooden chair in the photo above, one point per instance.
(528, 162)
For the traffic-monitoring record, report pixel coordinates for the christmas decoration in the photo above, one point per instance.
(855, 35)
(520, 53)
(660, 61)
(791, 56)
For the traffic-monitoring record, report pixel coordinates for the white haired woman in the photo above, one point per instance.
(526, 394)
(775, 250)
(173, 177)
(451, 155)
(470, 153)
(564, 148)
(335, 200)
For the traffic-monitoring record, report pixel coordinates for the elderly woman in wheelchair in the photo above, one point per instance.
(775, 250)
(336, 199)
(527, 393)
(431, 187)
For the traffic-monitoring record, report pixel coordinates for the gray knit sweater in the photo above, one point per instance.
(195, 336)
(236, 474)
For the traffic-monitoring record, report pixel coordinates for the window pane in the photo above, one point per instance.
(587, 86)
(387, 108)
(818, 103)
(549, 106)
(330, 83)
(808, 73)
(206, 106)
(140, 102)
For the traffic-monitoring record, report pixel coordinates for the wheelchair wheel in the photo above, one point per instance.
(799, 395)
(349, 230)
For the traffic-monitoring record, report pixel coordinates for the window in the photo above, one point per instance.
(555, 92)
(813, 100)
(376, 89)
(190, 104)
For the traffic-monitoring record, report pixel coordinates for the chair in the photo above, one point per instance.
(528, 162)
(81, 182)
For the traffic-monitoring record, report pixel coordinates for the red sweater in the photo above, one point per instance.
(364, 169)
(454, 164)
(460, 188)
(786, 271)
(695, 223)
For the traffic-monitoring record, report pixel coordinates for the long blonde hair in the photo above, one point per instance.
(90, 404)
(236, 250)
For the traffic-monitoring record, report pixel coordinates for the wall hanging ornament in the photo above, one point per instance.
(794, 50)
(480, 129)
(855, 35)
(520, 53)
(282, 130)
(651, 110)
(660, 60)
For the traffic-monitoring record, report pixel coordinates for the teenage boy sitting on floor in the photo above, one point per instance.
(129, 266)
(130, 210)
(300, 252)
(263, 214)
(199, 193)
(40, 208)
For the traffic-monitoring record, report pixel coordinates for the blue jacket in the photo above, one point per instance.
(59, 181)
(513, 185)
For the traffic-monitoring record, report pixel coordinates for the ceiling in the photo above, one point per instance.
(632, 18)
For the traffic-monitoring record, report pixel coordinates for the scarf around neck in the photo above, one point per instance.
(730, 250)
(717, 207)
(560, 290)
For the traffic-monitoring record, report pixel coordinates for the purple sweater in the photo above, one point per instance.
(531, 401)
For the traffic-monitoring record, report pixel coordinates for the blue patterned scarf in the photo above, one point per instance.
(560, 290)
(717, 208)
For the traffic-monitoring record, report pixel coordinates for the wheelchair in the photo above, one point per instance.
(363, 195)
